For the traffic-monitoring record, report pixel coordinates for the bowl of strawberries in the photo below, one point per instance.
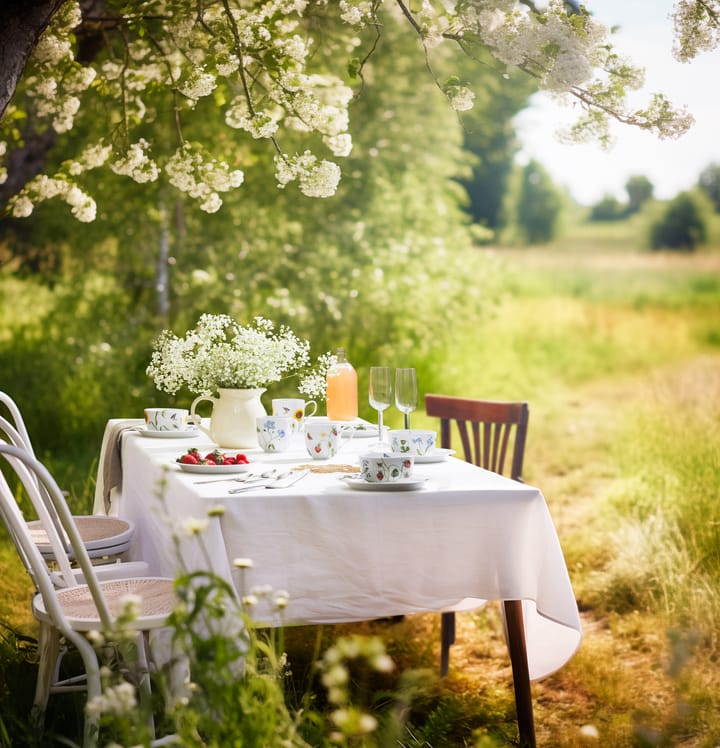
(194, 461)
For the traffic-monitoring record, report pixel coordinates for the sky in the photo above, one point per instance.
(588, 172)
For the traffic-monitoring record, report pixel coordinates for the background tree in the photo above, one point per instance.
(640, 190)
(609, 208)
(709, 183)
(682, 225)
(489, 135)
(539, 204)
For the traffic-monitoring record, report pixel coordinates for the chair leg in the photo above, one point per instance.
(48, 653)
(447, 639)
(145, 686)
(515, 630)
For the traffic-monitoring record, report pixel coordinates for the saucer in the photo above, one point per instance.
(404, 484)
(435, 455)
(189, 433)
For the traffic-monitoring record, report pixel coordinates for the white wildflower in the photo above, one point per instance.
(131, 605)
(194, 525)
(119, 700)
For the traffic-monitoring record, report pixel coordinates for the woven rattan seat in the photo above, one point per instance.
(155, 597)
(106, 536)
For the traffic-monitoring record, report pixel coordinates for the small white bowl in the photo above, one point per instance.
(386, 468)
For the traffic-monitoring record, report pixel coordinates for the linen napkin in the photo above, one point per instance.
(110, 468)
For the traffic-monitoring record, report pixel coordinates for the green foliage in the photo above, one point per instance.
(639, 190)
(538, 207)
(608, 209)
(709, 183)
(490, 140)
(682, 225)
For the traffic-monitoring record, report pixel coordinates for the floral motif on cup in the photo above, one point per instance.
(272, 436)
(419, 445)
(379, 470)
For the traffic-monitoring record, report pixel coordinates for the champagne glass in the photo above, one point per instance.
(380, 395)
(406, 394)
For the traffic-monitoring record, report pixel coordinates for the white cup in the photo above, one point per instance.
(274, 432)
(324, 438)
(412, 441)
(295, 408)
(386, 468)
(166, 419)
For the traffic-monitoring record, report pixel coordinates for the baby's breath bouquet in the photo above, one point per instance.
(221, 353)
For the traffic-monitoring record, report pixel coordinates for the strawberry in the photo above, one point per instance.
(228, 460)
(189, 459)
(241, 459)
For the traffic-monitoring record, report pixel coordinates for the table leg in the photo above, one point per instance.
(521, 675)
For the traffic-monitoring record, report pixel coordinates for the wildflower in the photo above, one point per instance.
(216, 511)
(243, 563)
(194, 526)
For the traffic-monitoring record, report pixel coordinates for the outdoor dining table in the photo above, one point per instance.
(464, 537)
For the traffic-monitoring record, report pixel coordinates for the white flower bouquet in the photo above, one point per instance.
(221, 353)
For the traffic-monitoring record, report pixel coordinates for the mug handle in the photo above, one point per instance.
(344, 441)
(314, 408)
(196, 419)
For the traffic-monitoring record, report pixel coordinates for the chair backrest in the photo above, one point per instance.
(17, 420)
(44, 512)
(486, 429)
(48, 501)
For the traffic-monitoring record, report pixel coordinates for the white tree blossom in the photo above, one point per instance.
(257, 63)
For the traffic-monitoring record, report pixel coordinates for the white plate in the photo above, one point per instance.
(188, 468)
(404, 484)
(189, 433)
(437, 455)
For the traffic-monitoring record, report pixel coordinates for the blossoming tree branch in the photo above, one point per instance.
(279, 71)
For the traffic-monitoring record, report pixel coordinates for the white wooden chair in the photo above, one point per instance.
(106, 538)
(66, 614)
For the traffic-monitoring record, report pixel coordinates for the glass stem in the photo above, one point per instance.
(407, 420)
(380, 434)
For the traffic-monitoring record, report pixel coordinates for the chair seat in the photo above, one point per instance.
(156, 598)
(102, 536)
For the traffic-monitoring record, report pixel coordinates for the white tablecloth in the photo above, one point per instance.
(468, 536)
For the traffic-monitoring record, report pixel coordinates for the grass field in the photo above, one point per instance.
(618, 354)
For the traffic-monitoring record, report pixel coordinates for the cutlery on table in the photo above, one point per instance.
(244, 478)
(283, 480)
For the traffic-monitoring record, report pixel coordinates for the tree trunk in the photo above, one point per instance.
(21, 24)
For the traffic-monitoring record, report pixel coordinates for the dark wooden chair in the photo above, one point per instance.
(492, 435)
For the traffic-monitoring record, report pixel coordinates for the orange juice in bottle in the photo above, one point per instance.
(342, 390)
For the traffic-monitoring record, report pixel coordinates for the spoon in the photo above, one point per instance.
(252, 485)
(242, 478)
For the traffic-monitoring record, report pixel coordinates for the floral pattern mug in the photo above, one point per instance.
(274, 433)
(323, 439)
(295, 408)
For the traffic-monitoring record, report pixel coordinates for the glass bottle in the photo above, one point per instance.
(342, 389)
